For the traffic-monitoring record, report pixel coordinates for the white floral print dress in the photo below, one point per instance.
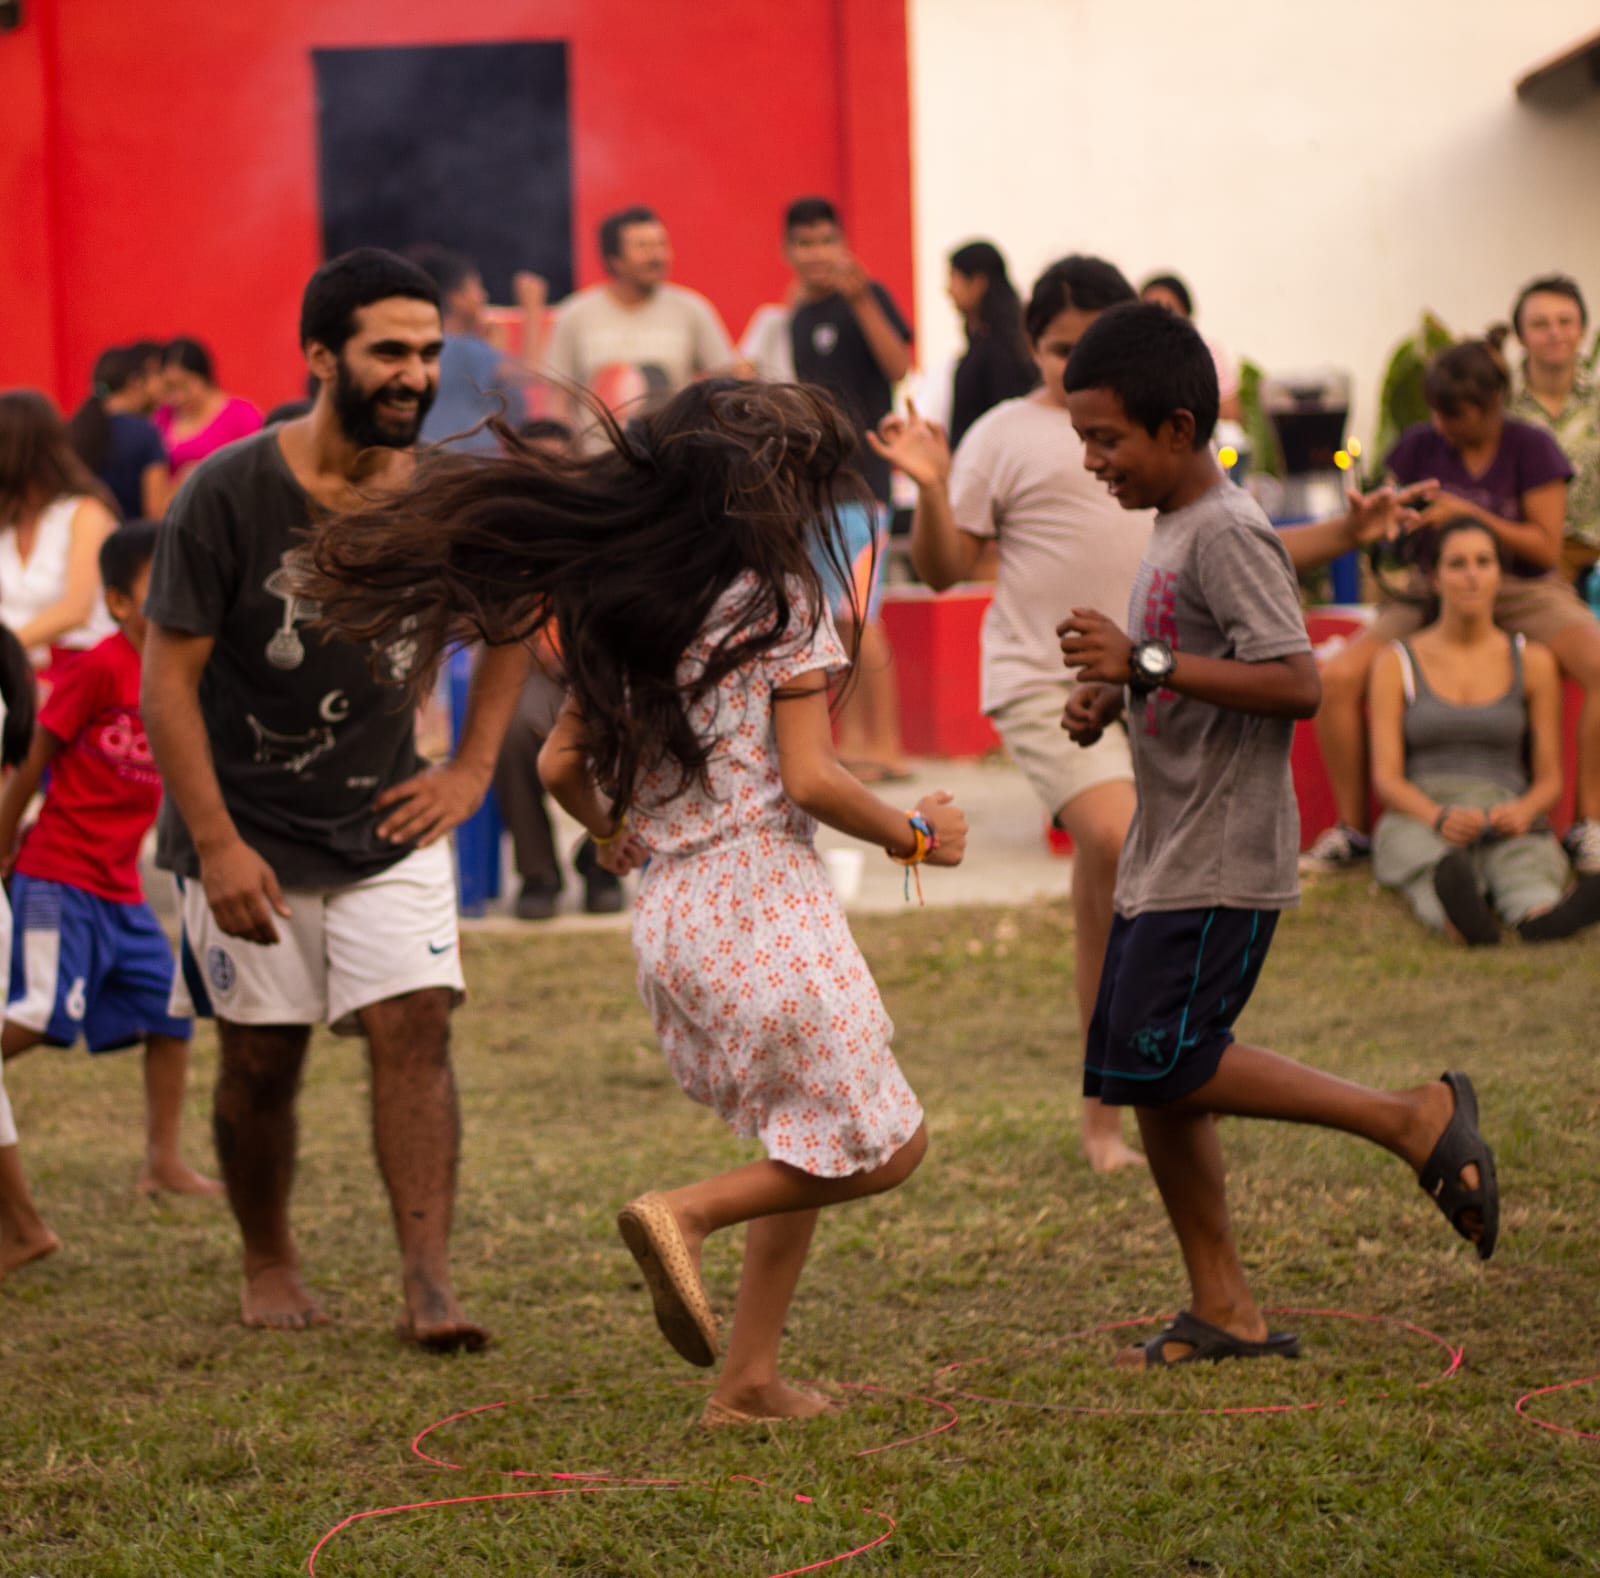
(765, 1008)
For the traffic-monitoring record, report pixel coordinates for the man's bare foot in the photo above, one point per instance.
(1105, 1153)
(749, 1405)
(435, 1323)
(15, 1253)
(174, 1177)
(275, 1299)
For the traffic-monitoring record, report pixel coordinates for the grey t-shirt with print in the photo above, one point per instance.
(1216, 824)
(303, 736)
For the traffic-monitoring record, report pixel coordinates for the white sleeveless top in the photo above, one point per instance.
(29, 587)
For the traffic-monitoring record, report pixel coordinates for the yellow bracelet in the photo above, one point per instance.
(610, 838)
(924, 846)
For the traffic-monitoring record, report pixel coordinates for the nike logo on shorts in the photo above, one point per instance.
(440, 947)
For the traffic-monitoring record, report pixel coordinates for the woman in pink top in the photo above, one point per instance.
(198, 418)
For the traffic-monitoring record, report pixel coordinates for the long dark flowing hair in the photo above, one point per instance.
(999, 310)
(618, 555)
(37, 462)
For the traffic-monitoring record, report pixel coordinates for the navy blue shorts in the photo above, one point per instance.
(1171, 987)
(84, 964)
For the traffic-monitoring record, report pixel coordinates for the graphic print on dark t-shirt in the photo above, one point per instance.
(303, 735)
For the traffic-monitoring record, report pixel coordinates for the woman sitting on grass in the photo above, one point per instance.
(697, 736)
(1466, 758)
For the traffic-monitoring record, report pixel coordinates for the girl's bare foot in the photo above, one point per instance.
(15, 1253)
(762, 1403)
(174, 1177)
(275, 1299)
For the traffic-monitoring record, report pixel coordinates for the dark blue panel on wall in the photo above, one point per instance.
(466, 145)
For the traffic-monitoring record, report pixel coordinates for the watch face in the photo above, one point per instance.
(1154, 662)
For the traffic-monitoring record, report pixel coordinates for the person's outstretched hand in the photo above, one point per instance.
(915, 445)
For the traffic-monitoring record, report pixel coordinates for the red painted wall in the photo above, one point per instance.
(173, 142)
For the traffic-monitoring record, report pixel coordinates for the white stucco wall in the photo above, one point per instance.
(1317, 174)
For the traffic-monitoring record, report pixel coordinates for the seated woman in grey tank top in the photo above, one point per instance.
(1466, 758)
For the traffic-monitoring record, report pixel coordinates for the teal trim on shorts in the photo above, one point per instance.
(1194, 987)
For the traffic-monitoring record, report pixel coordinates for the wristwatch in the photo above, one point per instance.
(1149, 666)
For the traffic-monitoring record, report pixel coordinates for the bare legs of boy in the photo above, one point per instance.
(1098, 821)
(23, 1235)
(416, 1134)
(780, 1202)
(1186, 1161)
(166, 1076)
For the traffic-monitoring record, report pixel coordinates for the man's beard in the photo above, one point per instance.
(360, 419)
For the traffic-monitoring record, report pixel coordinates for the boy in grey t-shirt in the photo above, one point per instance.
(1213, 676)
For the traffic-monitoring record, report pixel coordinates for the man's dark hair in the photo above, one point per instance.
(810, 211)
(1550, 285)
(612, 226)
(345, 284)
(447, 268)
(125, 553)
(1153, 361)
(1089, 284)
(1174, 287)
(143, 351)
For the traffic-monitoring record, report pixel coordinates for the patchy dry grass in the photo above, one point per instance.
(146, 1433)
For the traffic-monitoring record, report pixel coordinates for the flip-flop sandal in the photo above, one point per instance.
(876, 773)
(1211, 1344)
(1465, 907)
(1462, 1146)
(683, 1312)
(718, 1416)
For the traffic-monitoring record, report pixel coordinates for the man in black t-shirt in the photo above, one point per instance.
(308, 836)
(848, 337)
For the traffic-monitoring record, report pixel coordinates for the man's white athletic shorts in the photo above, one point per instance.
(340, 949)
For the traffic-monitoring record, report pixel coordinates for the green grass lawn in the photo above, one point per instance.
(143, 1431)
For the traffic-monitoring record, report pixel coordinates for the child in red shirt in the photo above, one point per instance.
(87, 953)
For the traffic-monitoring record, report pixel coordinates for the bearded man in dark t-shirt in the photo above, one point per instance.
(307, 834)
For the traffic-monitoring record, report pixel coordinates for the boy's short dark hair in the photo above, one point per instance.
(356, 279)
(1087, 283)
(125, 553)
(1153, 361)
(446, 267)
(612, 226)
(810, 211)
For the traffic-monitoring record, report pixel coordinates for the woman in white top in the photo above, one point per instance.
(53, 518)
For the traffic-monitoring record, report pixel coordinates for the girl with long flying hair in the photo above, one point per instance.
(697, 646)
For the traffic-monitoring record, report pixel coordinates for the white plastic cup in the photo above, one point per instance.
(844, 867)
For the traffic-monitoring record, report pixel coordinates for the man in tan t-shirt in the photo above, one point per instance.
(636, 339)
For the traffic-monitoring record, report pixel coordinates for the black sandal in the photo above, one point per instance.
(1212, 1344)
(1461, 1146)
